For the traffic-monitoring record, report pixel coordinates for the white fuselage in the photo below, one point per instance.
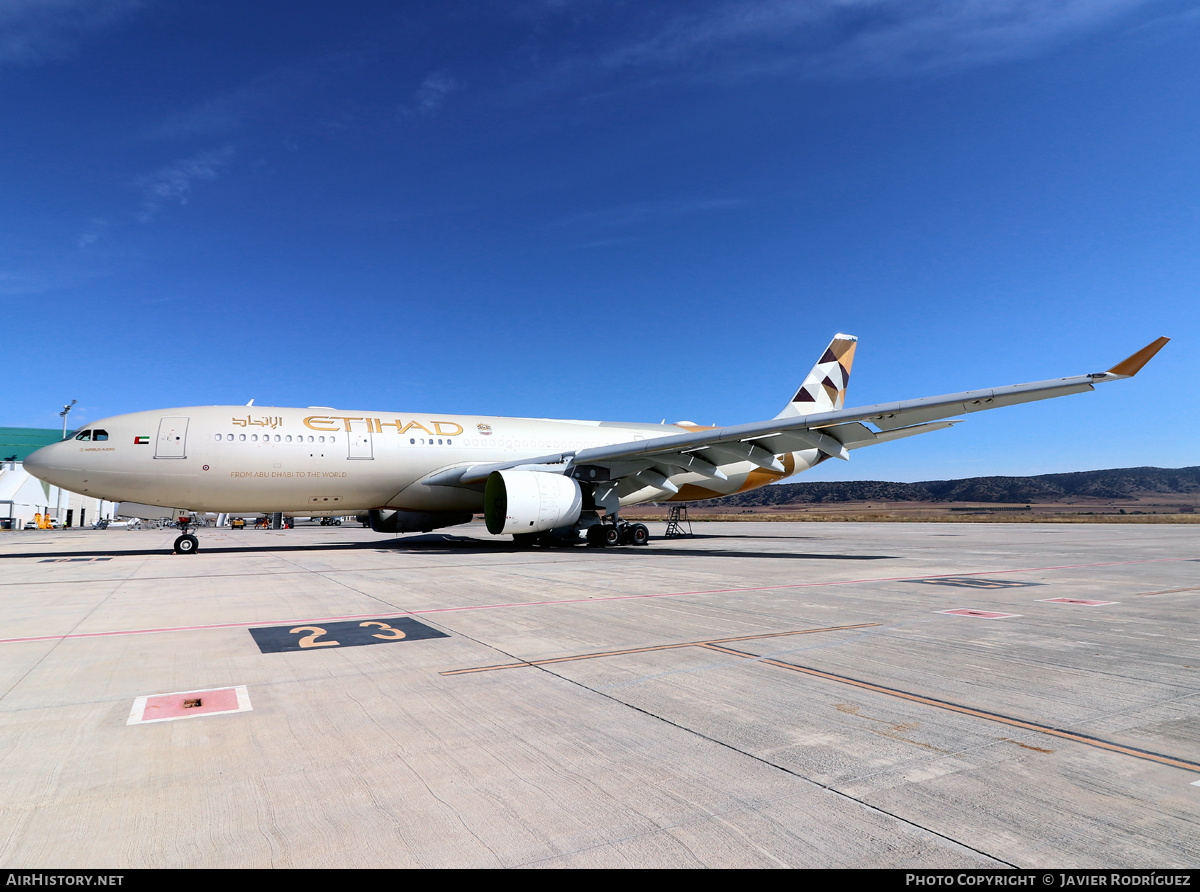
(322, 460)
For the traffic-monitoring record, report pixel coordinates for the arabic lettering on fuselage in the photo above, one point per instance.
(271, 421)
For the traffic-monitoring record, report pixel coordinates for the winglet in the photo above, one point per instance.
(1127, 368)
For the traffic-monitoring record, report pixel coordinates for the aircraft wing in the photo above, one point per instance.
(832, 432)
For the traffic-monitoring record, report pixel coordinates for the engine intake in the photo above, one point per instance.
(530, 502)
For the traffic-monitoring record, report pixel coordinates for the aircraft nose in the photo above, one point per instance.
(45, 464)
(35, 463)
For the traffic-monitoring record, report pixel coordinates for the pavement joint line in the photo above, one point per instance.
(519, 604)
(651, 648)
(493, 567)
(108, 594)
(143, 558)
(338, 582)
(974, 712)
(757, 758)
(714, 645)
(778, 767)
(1166, 591)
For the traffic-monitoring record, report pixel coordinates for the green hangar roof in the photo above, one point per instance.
(17, 442)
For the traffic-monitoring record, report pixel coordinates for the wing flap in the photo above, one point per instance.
(898, 433)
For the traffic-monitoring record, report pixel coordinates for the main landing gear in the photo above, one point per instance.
(603, 535)
(599, 535)
(187, 543)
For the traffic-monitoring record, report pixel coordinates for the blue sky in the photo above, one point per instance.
(627, 211)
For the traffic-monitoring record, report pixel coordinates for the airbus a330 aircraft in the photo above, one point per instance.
(532, 478)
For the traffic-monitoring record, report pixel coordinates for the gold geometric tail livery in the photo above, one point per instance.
(824, 390)
(540, 480)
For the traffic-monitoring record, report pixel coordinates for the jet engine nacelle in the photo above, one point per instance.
(530, 502)
(392, 521)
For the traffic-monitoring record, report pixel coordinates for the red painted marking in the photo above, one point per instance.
(713, 591)
(170, 706)
(982, 614)
(1078, 601)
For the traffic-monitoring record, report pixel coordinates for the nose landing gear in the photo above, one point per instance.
(186, 543)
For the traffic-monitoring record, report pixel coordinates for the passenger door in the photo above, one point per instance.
(361, 445)
(172, 437)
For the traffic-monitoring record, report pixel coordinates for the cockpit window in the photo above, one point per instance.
(85, 435)
(99, 435)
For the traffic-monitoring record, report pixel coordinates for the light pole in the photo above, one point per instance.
(63, 415)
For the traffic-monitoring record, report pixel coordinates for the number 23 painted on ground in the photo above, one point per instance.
(316, 632)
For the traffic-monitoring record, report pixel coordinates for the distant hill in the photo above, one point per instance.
(1116, 484)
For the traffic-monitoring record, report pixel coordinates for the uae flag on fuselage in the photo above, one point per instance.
(141, 441)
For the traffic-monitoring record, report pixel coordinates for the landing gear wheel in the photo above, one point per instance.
(639, 534)
(525, 540)
(612, 536)
(595, 536)
(186, 544)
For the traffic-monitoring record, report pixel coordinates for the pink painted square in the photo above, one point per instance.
(171, 706)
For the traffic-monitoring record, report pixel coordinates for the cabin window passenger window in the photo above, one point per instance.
(217, 438)
(412, 440)
(83, 435)
(277, 438)
(289, 438)
(242, 437)
(320, 439)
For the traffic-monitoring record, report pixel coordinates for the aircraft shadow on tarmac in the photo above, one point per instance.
(435, 543)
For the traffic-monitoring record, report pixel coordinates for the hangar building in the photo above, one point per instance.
(23, 495)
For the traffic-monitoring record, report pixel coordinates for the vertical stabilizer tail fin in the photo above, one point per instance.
(824, 390)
